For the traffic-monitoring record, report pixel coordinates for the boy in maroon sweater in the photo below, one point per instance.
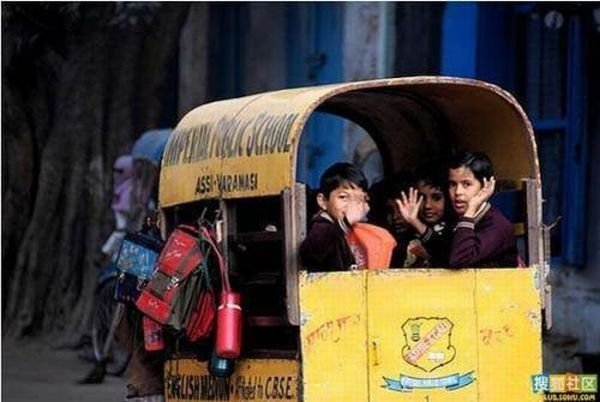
(342, 200)
(483, 237)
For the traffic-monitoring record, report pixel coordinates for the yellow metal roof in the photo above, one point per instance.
(247, 146)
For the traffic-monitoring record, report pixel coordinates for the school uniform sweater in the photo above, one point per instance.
(325, 247)
(436, 240)
(487, 240)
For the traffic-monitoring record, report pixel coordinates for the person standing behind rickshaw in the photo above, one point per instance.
(483, 237)
(121, 203)
(145, 370)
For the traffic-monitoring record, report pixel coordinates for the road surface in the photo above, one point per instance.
(36, 372)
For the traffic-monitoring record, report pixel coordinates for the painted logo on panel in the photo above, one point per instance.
(427, 342)
(428, 346)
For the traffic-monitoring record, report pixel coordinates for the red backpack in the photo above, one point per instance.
(180, 294)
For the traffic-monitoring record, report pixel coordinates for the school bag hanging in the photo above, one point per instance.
(200, 322)
(181, 295)
(135, 263)
(178, 260)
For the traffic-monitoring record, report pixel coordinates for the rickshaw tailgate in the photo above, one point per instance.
(258, 380)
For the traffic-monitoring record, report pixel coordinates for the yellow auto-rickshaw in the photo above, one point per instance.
(427, 335)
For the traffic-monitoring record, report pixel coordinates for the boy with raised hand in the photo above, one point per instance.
(483, 236)
(343, 201)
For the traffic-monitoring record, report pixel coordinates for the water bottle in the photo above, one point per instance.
(220, 367)
(228, 342)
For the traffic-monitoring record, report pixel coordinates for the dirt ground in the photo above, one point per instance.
(37, 372)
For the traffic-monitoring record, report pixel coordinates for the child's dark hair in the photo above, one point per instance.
(478, 162)
(398, 183)
(381, 192)
(436, 176)
(340, 174)
(432, 176)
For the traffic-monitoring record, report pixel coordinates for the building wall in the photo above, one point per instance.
(264, 64)
(258, 58)
(593, 223)
(575, 338)
(368, 54)
(193, 59)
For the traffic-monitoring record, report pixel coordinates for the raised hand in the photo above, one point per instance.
(357, 208)
(409, 207)
(482, 196)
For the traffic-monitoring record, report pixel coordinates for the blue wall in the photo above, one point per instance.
(315, 38)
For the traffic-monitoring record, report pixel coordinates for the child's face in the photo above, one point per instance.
(348, 201)
(462, 187)
(432, 208)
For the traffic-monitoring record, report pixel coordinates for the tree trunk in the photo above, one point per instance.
(96, 85)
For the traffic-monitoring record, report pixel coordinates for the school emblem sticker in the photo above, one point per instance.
(428, 346)
(428, 343)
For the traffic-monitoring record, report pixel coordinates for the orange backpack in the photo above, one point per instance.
(376, 243)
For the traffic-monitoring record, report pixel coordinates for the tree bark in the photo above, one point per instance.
(95, 81)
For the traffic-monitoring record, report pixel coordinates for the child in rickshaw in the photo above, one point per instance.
(425, 209)
(343, 201)
(483, 237)
(387, 215)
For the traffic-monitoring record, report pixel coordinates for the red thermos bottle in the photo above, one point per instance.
(228, 342)
(153, 336)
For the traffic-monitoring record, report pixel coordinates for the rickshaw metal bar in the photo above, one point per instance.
(534, 234)
(229, 227)
(162, 223)
(294, 218)
(538, 247)
(544, 274)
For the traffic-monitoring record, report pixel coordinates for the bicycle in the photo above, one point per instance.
(110, 357)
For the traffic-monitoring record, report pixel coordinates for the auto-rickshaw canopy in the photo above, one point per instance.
(247, 147)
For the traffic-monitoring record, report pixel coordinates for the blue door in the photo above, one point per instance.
(538, 54)
(314, 56)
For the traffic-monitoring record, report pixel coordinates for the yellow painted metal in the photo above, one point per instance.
(246, 147)
(509, 334)
(428, 318)
(430, 335)
(394, 335)
(333, 336)
(188, 380)
(235, 148)
(481, 325)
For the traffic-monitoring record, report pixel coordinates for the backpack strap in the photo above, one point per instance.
(208, 236)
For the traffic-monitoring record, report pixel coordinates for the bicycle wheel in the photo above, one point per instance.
(106, 314)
